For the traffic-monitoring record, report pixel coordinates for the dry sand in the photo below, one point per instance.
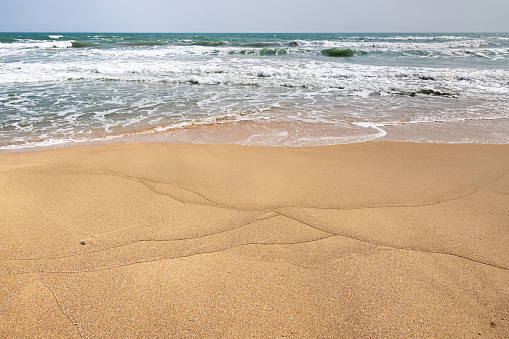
(151, 240)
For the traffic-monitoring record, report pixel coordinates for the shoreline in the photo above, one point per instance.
(375, 239)
(287, 134)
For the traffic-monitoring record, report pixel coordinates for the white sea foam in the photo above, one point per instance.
(381, 132)
(323, 75)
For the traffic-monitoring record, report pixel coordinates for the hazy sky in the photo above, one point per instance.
(254, 15)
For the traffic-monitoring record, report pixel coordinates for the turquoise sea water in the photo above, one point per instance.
(297, 89)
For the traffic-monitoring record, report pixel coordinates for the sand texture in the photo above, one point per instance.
(367, 240)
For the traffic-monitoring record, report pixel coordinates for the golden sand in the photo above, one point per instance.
(151, 240)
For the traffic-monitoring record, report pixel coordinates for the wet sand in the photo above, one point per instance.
(378, 239)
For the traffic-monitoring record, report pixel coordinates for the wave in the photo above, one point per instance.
(268, 51)
(145, 43)
(487, 53)
(430, 49)
(7, 39)
(260, 52)
(258, 44)
(339, 53)
(30, 45)
(209, 43)
(397, 45)
(79, 44)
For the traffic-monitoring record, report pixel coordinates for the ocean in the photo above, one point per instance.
(253, 89)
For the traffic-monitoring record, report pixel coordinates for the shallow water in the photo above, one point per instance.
(266, 89)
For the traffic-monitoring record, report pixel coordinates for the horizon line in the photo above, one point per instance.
(310, 32)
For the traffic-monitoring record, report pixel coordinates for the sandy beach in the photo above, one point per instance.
(377, 239)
